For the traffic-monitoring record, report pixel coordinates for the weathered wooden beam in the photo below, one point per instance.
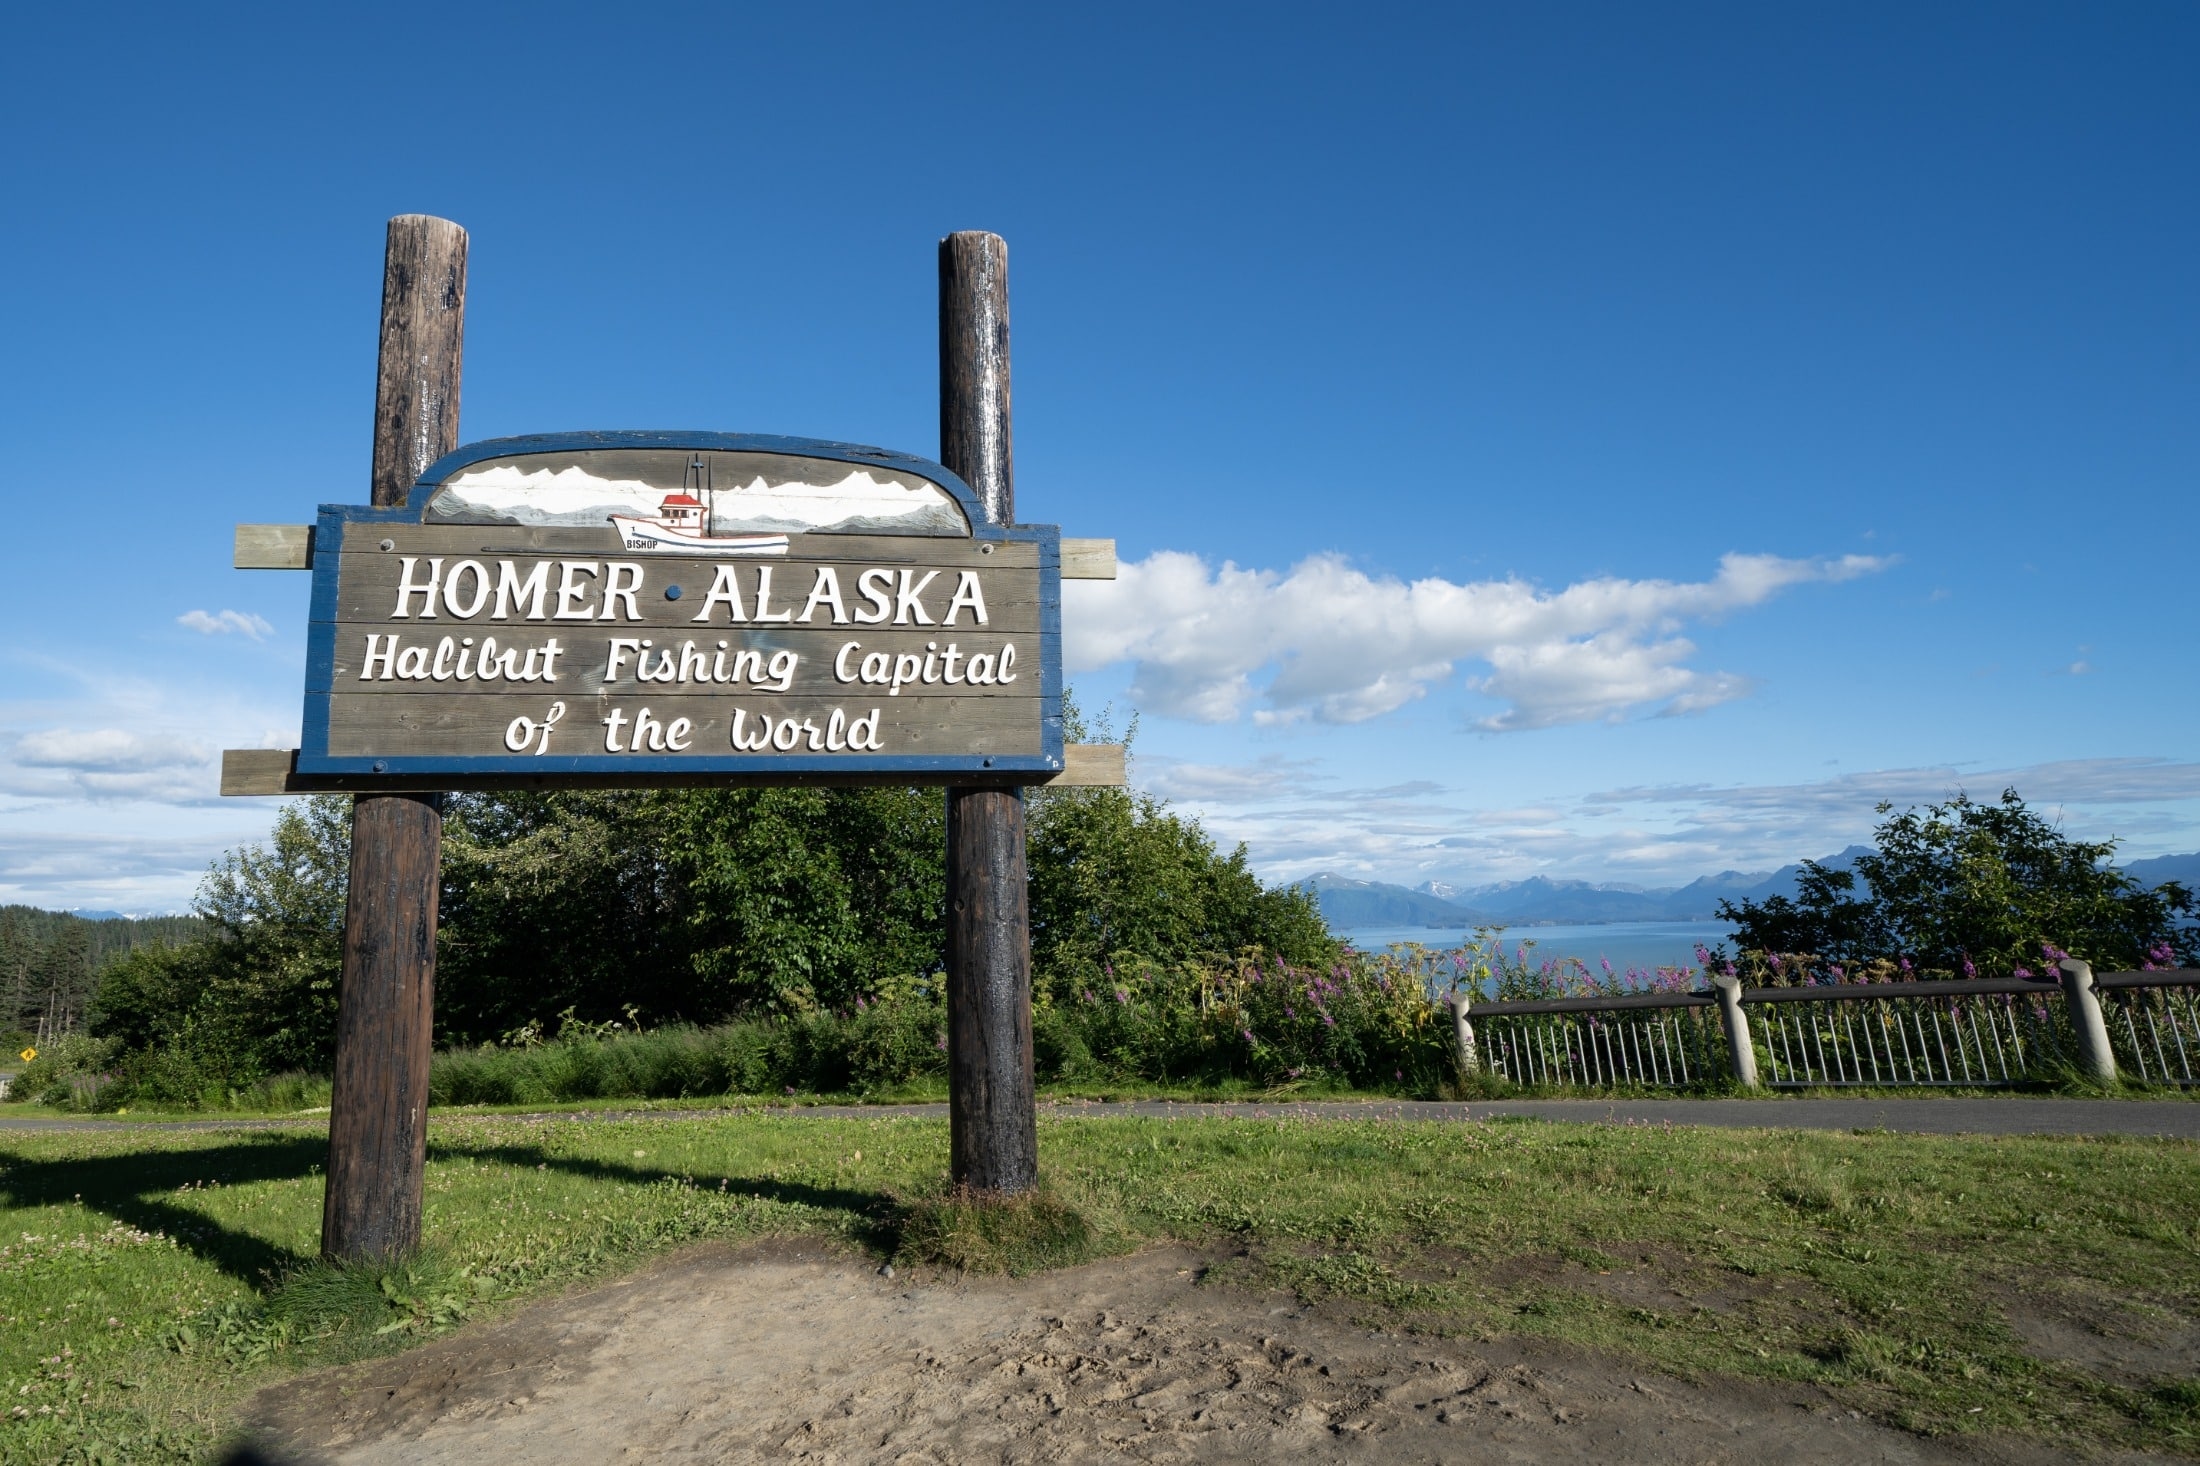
(993, 1135)
(1088, 559)
(385, 1017)
(1091, 766)
(257, 770)
(277, 547)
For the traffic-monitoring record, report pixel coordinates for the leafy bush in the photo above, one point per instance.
(1366, 1022)
(69, 1071)
(1965, 889)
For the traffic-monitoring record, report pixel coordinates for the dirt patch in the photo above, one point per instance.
(2133, 1341)
(1646, 1276)
(792, 1353)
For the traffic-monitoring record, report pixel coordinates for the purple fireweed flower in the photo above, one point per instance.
(2023, 972)
(1088, 995)
(1703, 955)
(1248, 1035)
(1397, 1073)
(1970, 969)
(1729, 969)
(1289, 1012)
(1608, 965)
(1775, 956)
(1331, 1022)
(1905, 964)
(1122, 995)
(1838, 974)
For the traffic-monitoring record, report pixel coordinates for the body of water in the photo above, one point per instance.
(1624, 944)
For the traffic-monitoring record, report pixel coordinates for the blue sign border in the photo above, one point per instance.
(601, 770)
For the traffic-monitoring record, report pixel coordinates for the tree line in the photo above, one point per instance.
(50, 962)
(689, 906)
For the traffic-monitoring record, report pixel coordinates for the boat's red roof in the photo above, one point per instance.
(680, 499)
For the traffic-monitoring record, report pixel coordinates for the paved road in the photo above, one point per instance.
(2176, 1119)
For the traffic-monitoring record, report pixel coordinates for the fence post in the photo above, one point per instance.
(2086, 1020)
(1462, 1033)
(1741, 1054)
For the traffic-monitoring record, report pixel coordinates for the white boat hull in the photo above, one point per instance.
(653, 538)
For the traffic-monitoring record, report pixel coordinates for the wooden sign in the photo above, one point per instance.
(659, 608)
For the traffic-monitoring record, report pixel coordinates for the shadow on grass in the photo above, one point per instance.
(139, 1188)
(877, 1215)
(135, 1188)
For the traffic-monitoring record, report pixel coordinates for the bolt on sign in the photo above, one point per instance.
(661, 608)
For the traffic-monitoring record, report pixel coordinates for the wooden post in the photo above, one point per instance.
(385, 1020)
(993, 1119)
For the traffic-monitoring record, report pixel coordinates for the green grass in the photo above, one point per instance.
(148, 1279)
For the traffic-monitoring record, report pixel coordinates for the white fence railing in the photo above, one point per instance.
(1987, 1032)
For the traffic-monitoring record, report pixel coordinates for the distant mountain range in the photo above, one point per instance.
(1540, 901)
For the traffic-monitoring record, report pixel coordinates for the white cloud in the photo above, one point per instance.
(108, 764)
(1297, 820)
(1328, 642)
(223, 623)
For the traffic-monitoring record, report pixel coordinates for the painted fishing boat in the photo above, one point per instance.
(682, 523)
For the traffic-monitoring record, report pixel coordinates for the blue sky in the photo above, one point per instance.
(1607, 441)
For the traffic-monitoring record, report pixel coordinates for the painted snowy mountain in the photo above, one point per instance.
(858, 503)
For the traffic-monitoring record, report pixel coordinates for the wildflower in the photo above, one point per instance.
(1775, 956)
(1248, 1034)
(1607, 964)
(1397, 1073)
(1838, 975)
(1969, 969)
(1906, 964)
(1122, 995)
(2022, 972)
(1289, 1011)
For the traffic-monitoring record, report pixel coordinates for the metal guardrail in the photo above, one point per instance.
(1988, 1032)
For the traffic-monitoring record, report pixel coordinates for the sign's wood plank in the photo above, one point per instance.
(672, 594)
(289, 781)
(447, 659)
(598, 543)
(1088, 559)
(603, 727)
(1092, 766)
(274, 547)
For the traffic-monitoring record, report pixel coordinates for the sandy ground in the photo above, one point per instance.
(794, 1353)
